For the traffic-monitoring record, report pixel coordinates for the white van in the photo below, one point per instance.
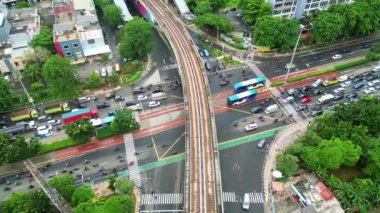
(246, 202)
(288, 99)
(271, 109)
(317, 83)
(159, 96)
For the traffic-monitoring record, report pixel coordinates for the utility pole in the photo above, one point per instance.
(56, 198)
(290, 65)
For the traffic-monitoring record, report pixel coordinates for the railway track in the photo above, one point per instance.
(201, 188)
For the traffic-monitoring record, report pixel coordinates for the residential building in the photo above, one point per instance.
(17, 28)
(299, 8)
(77, 33)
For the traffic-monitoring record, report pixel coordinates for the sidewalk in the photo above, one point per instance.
(281, 141)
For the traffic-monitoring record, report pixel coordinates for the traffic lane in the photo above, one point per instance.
(161, 54)
(241, 171)
(163, 144)
(276, 67)
(165, 179)
(105, 158)
(242, 115)
(234, 76)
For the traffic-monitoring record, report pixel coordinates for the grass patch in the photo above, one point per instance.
(58, 145)
(232, 3)
(133, 78)
(215, 52)
(105, 133)
(277, 83)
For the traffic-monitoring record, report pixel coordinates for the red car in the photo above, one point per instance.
(306, 100)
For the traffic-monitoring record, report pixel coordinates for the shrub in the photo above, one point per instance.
(297, 78)
(277, 83)
(136, 76)
(351, 64)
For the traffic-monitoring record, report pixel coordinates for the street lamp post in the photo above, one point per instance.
(294, 52)
(217, 35)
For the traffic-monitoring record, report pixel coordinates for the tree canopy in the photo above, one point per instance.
(82, 194)
(61, 75)
(17, 149)
(5, 95)
(203, 7)
(80, 130)
(64, 185)
(327, 27)
(112, 15)
(287, 164)
(214, 21)
(124, 121)
(33, 202)
(276, 32)
(124, 186)
(136, 39)
(254, 9)
(44, 39)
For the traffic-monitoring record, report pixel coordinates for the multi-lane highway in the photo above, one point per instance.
(201, 190)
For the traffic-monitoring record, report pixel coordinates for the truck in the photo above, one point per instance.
(14, 129)
(24, 115)
(159, 96)
(56, 107)
(325, 99)
(263, 49)
(78, 114)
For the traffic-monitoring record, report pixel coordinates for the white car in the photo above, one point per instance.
(32, 124)
(289, 66)
(45, 127)
(336, 56)
(153, 104)
(288, 99)
(142, 97)
(376, 69)
(345, 84)
(84, 99)
(103, 72)
(343, 78)
(54, 122)
(338, 90)
(369, 90)
(257, 86)
(250, 127)
(374, 83)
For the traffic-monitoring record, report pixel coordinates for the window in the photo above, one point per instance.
(275, 12)
(314, 5)
(286, 10)
(308, 1)
(91, 41)
(75, 45)
(277, 5)
(66, 46)
(324, 3)
(68, 54)
(293, 8)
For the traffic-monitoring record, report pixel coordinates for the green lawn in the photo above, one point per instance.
(45, 148)
(136, 76)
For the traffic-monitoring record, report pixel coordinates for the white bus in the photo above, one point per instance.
(159, 96)
(325, 99)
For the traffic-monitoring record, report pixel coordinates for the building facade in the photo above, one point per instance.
(299, 8)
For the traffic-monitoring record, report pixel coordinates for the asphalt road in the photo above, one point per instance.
(273, 67)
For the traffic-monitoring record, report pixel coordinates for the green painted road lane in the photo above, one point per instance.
(221, 146)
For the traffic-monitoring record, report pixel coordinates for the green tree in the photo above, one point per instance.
(94, 80)
(121, 203)
(111, 182)
(37, 86)
(61, 75)
(310, 157)
(85, 207)
(373, 165)
(124, 186)
(5, 95)
(23, 4)
(203, 7)
(368, 17)
(254, 9)
(17, 149)
(214, 21)
(82, 194)
(37, 56)
(376, 48)
(81, 130)
(327, 27)
(137, 39)
(276, 32)
(44, 39)
(350, 17)
(64, 185)
(112, 15)
(102, 3)
(124, 121)
(371, 56)
(287, 164)
(33, 73)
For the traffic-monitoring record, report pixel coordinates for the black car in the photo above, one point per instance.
(4, 123)
(257, 109)
(225, 83)
(338, 97)
(371, 77)
(304, 89)
(316, 112)
(357, 79)
(317, 92)
(111, 113)
(365, 74)
(208, 66)
(102, 105)
(301, 107)
(301, 95)
(352, 95)
(157, 91)
(138, 91)
(365, 46)
(130, 103)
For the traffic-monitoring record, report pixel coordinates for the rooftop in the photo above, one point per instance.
(23, 17)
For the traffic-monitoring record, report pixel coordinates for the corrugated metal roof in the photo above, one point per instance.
(126, 15)
(182, 6)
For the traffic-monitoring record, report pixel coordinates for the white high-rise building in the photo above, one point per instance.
(298, 8)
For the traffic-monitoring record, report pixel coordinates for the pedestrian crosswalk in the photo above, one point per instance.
(133, 166)
(169, 67)
(232, 197)
(163, 198)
